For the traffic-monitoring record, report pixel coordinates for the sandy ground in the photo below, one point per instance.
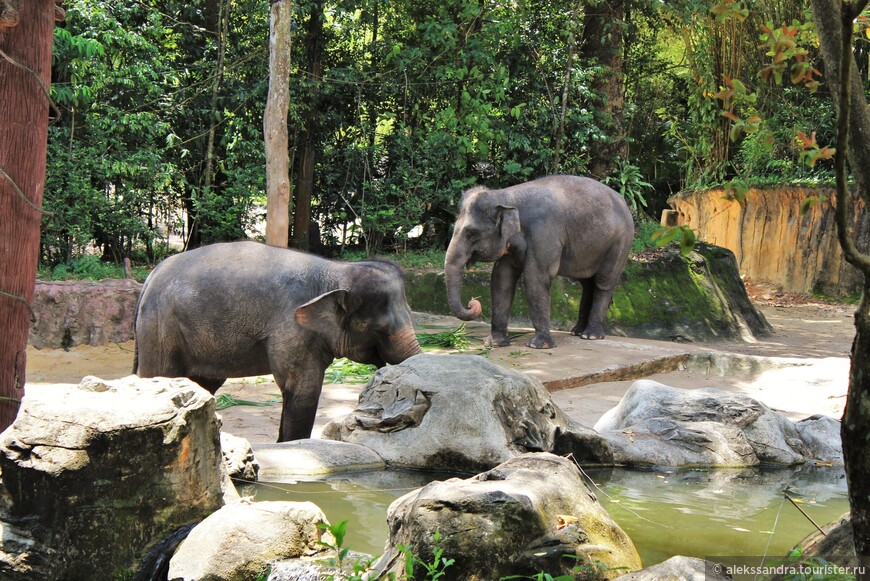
(808, 375)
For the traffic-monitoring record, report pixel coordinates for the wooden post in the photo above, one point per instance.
(275, 126)
(26, 32)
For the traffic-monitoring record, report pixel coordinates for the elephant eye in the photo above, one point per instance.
(472, 235)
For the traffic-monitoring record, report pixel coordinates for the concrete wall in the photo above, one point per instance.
(773, 242)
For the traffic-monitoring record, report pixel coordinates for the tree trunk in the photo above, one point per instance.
(566, 90)
(305, 184)
(25, 76)
(275, 126)
(834, 24)
(603, 45)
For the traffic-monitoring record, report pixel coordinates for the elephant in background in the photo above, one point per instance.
(558, 225)
(243, 308)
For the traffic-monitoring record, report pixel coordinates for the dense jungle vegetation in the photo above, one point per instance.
(398, 106)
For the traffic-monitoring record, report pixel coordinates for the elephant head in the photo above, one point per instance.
(483, 232)
(369, 321)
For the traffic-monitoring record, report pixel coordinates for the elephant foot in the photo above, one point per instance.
(541, 342)
(592, 332)
(497, 340)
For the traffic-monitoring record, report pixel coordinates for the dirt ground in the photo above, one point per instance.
(814, 335)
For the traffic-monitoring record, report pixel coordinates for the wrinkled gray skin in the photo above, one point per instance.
(242, 308)
(566, 225)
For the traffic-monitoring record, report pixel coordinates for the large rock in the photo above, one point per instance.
(658, 425)
(678, 569)
(530, 514)
(237, 542)
(239, 458)
(834, 543)
(70, 313)
(461, 413)
(95, 474)
(310, 457)
(803, 253)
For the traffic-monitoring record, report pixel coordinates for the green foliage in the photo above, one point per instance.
(628, 181)
(682, 235)
(225, 400)
(644, 236)
(89, 267)
(160, 133)
(453, 339)
(432, 570)
(264, 573)
(344, 370)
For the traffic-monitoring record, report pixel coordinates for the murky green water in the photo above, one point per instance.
(694, 513)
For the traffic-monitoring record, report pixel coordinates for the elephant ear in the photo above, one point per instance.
(324, 313)
(509, 223)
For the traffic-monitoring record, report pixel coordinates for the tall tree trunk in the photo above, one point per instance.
(834, 22)
(207, 178)
(275, 126)
(566, 90)
(603, 44)
(305, 184)
(26, 31)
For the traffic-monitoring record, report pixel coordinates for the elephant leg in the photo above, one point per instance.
(300, 393)
(503, 285)
(588, 291)
(538, 293)
(598, 311)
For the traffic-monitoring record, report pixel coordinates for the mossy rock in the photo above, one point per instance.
(662, 295)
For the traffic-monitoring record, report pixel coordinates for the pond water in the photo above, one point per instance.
(697, 513)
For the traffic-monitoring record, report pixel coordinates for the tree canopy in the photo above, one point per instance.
(397, 107)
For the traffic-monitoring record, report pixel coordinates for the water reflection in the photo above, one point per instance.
(362, 499)
(694, 513)
(719, 512)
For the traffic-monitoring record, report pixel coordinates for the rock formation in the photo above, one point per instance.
(461, 413)
(530, 514)
(238, 541)
(773, 241)
(95, 474)
(682, 568)
(239, 458)
(658, 425)
(70, 313)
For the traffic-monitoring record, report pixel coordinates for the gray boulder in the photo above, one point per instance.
(239, 458)
(658, 425)
(835, 545)
(679, 568)
(530, 514)
(237, 542)
(95, 475)
(461, 413)
(821, 437)
(289, 460)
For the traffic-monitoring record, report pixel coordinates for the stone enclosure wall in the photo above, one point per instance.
(773, 242)
(70, 313)
(662, 296)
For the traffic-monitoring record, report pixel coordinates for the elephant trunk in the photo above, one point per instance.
(403, 344)
(453, 267)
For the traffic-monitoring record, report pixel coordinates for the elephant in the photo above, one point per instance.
(237, 309)
(557, 225)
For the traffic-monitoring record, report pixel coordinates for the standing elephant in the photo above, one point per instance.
(568, 225)
(242, 308)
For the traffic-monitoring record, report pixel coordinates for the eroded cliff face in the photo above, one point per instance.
(773, 242)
